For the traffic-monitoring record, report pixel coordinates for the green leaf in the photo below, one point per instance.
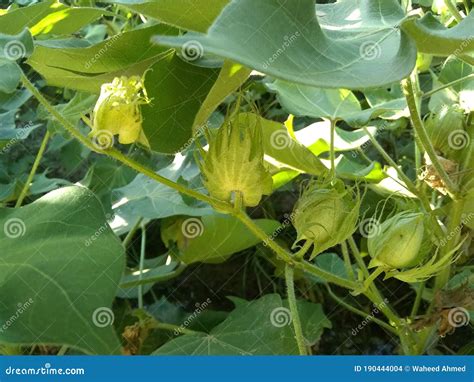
(290, 44)
(60, 264)
(260, 327)
(350, 169)
(196, 15)
(220, 237)
(146, 198)
(15, 21)
(177, 90)
(333, 104)
(87, 68)
(16, 47)
(73, 110)
(49, 17)
(461, 93)
(231, 76)
(434, 38)
(332, 263)
(10, 78)
(317, 136)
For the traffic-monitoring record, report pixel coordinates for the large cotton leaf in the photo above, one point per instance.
(60, 265)
(177, 90)
(49, 17)
(218, 237)
(259, 327)
(284, 39)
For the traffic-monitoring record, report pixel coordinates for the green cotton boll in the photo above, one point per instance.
(326, 215)
(400, 242)
(117, 110)
(234, 163)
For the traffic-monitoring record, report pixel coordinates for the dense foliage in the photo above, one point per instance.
(236, 177)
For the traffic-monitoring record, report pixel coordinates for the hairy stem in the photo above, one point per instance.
(408, 90)
(39, 155)
(290, 287)
(454, 10)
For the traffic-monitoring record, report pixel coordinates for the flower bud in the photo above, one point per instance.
(326, 215)
(400, 241)
(234, 163)
(117, 110)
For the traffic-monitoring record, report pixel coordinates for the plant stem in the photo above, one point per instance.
(455, 221)
(172, 328)
(409, 184)
(433, 91)
(359, 260)
(408, 90)
(141, 265)
(290, 287)
(332, 151)
(454, 10)
(302, 251)
(287, 258)
(155, 279)
(416, 304)
(128, 239)
(32, 173)
(360, 312)
(347, 261)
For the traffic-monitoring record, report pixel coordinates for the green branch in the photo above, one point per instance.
(290, 287)
(408, 91)
(26, 186)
